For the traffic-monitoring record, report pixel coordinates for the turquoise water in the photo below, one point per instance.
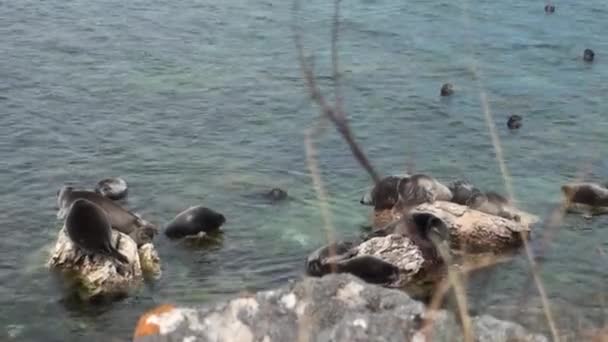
(199, 102)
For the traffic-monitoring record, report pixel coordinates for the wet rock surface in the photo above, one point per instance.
(337, 307)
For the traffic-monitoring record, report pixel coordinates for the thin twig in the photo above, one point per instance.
(336, 115)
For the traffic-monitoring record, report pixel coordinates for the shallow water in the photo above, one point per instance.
(199, 102)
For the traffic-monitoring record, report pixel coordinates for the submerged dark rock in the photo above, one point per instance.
(339, 308)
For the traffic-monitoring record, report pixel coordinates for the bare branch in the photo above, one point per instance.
(336, 115)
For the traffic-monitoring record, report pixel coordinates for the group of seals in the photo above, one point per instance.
(120, 218)
(90, 216)
(393, 195)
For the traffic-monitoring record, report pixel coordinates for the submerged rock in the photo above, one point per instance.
(338, 308)
(101, 276)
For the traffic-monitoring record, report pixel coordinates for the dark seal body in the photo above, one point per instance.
(113, 188)
(549, 8)
(89, 228)
(588, 55)
(447, 89)
(514, 122)
(419, 189)
(194, 221)
(120, 218)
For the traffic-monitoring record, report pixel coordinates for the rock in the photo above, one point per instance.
(473, 231)
(98, 275)
(332, 308)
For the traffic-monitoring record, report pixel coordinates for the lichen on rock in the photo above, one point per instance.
(337, 307)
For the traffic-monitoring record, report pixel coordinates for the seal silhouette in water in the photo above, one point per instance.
(89, 228)
(113, 188)
(549, 8)
(586, 197)
(120, 218)
(588, 55)
(514, 122)
(447, 89)
(194, 221)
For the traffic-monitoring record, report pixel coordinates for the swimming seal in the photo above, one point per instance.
(114, 188)
(194, 221)
(276, 195)
(514, 122)
(447, 89)
(549, 8)
(588, 55)
(89, 228)
(120, 218)
(586, 197)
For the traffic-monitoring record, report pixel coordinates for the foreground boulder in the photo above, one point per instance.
(333, 308)
(101, 276)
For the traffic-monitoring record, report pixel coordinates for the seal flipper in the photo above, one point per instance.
(113, 252)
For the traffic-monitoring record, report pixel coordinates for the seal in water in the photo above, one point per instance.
(276, 195)
(588, 198)
(419, 189)
(89, 228)
(588, 55)
(514, 122)
(194, 221)
(114, 188)
(549, 8)
(120, 218)
(447, 89)
(384, 194)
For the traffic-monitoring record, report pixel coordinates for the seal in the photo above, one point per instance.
(447, 89)
(493, 204)
(89, 228)
(276, 195)
(462, 191)
(114, 188)
(384, 194)
(514, 122)
(421, 188)
(549, 8)
(121, 219)
(586, 198)
(588, 55)
(194, 221)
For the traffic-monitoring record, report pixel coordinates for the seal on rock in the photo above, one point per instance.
(120, 218)
(89, 228)
(114, 188)
(384, 194)
(421, 188)
(586, 197)
(194, 221)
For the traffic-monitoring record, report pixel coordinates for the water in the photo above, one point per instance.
(200, 102)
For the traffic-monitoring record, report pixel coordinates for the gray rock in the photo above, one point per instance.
(336, 307)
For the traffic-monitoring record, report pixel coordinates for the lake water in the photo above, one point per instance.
(200, 102)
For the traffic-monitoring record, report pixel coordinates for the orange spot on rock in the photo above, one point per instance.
(144, 328)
